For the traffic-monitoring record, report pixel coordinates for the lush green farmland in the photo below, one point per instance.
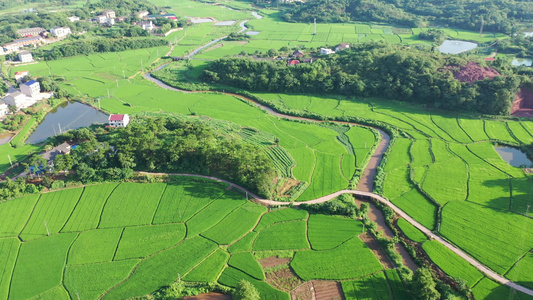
(488, 289)
(102, 276)
(282, 215)
(411, 232)
(142, 241)
(293, 233)
(134, 259)
(87, 213)
(500, 239)
(327, 232)
(350, 260)
(16, 210)
(210, 268)
(396, 285)
(521, 272)
(51, 213)
(451, 263)
(371, 287)
(143, 203)
(46, 257)
(9, 247)
(94, 246)
(246, 262)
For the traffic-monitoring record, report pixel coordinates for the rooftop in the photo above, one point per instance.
(25, 52)
(31, 82)
(116, 117)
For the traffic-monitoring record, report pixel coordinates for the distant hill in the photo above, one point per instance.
(498, 16)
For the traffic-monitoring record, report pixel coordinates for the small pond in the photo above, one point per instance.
(522, 62)
(224, 23)
(70, 115)
(256, 15)
(201, 20)
(253, 32)
(456, 47)
(513, 156)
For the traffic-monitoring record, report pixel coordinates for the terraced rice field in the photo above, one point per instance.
(136, 253)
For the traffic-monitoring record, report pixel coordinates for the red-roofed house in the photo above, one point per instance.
(20, 75)
(293, 62)
(489, 58)
(119, 120)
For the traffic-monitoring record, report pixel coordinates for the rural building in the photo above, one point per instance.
(19, 76)
(342, 46)
(51, 155)
(110, 14)
(326, 51)
(119, 120)
(4, 109)
(142, 14)
(73, 18)
(297, 53)
(18, 100)
(31, 88)
(17, 44)
(26, 32)
(146, 25)
(120, 19)
(309, 60)
(110, 22)
(293, 62)
(60, 31)
(25, 56)
(100, 19)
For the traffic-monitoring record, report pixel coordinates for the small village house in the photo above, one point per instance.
(19, 43)
(60, 31)
(51, 155)
(100, 19)
(119, 120)
(27, 32)
(110, 14)
(342, 47)
(293, 62)
(73, 18)
(19, 76)
(31, 88)
(326, 51)
(146, 25)
(4, 109)
(18, 100)
(25, 56)
(142, 14)
(297, 54)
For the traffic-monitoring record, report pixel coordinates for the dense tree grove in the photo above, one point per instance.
(501, 16)
(166, 145)
(379, 70)
(519, 45)
(86, 47)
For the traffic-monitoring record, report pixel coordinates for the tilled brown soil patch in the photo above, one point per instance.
(374, 245)
(273, 261)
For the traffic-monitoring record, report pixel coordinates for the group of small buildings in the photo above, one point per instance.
(35, 36)
(28, 94)
(298, 55)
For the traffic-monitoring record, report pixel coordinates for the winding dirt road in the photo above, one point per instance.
(365, 187)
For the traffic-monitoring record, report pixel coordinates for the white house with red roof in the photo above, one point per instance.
(20, 75)
(119, 120)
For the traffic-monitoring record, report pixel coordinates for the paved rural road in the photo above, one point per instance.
(366, 183)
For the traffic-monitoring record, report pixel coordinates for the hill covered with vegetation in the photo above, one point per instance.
(500, 16)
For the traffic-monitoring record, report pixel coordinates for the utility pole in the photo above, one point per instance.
(108, 93)
(315, 27)
(59, 126)
(363, 229)
(482, 23)
(11, 163)
(46, 225)
(99, 104)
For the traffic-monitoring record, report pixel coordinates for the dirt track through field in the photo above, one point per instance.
(366, 184)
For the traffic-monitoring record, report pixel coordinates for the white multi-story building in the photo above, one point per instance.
(31, 88)
(60, 31)
(18, 100)
(146, 25)
(326, 51)
(4, 109)
(110, 14)
(73, 18)
(25, 56)
(119, 120)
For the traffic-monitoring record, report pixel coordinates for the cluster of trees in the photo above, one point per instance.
(520, 45)
(14, 188)
(374, 69)
(166, 145)
(501, 16)
(86, 47)
(434, 35)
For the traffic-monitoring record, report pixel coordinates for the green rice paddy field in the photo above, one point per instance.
(443, 164)
(162, 232)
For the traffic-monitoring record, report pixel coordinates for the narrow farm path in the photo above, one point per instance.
(366, 182)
